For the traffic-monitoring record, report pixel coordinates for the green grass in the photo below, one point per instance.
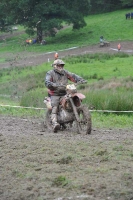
(111, 120)
(103, 66)
(60, 181)
(110, 99)
(109, 81)
(100, 65)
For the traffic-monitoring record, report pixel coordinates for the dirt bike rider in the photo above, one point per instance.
(55, 80)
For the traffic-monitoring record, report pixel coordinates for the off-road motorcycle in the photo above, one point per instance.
(71, 111)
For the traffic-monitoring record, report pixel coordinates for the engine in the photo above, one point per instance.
(65, 116)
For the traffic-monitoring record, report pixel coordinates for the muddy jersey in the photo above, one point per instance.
(53, 79)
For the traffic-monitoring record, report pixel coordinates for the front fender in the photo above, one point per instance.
(77, 99)
(79, 95)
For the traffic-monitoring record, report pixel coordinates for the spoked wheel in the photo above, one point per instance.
(48, 120)
(84, 126)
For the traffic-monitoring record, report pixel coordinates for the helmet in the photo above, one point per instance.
(58, 65)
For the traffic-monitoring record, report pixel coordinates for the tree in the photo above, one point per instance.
(127, 3)
(45, 16)
(102, 6)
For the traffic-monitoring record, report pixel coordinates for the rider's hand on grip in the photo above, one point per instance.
(82, 81)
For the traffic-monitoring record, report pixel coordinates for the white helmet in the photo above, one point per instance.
(58, 65)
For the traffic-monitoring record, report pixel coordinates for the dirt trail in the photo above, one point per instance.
(32, 59)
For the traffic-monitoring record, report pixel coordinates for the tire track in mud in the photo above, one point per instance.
(34, 126)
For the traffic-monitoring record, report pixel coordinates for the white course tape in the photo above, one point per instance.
(22, 107)
(109, 111)
(50, 52)
(113, 111)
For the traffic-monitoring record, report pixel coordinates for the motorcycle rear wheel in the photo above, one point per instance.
(85, 124)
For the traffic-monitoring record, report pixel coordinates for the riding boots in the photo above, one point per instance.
(55, 124)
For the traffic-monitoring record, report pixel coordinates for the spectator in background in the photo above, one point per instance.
(119, 47)
(127, 15)
(56, 56)
(30, 41)
(101, 39)
(131, 15)
(34, 41)
(27, 41)
(43, 42)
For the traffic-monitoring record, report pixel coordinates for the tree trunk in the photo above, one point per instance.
(39, 35)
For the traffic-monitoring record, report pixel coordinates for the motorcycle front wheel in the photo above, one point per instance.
(85, 123)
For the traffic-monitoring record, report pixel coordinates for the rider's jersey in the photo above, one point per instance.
(54, 77)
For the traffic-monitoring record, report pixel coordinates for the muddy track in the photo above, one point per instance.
(15, 126)
(97, 166)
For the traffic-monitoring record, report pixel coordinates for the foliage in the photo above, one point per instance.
(21, 79)
(127, 3)
(112, 120)
(45, 16)
(102, 6)
(110, 100)
(34, 98)
(60, 181)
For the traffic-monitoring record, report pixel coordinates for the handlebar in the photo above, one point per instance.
(78, 83)
(81, 82)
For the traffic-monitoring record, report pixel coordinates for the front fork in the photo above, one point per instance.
(75, 110)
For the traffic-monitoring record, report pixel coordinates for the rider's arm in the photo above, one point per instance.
(74, 77)
(49, 81)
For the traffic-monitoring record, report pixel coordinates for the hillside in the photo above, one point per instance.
(113, 26)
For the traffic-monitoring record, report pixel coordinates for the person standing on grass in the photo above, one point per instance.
(131, 15)
(119, 47)
(56, 56)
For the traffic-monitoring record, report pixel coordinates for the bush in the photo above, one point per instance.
(33, 98)
(110, 100)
